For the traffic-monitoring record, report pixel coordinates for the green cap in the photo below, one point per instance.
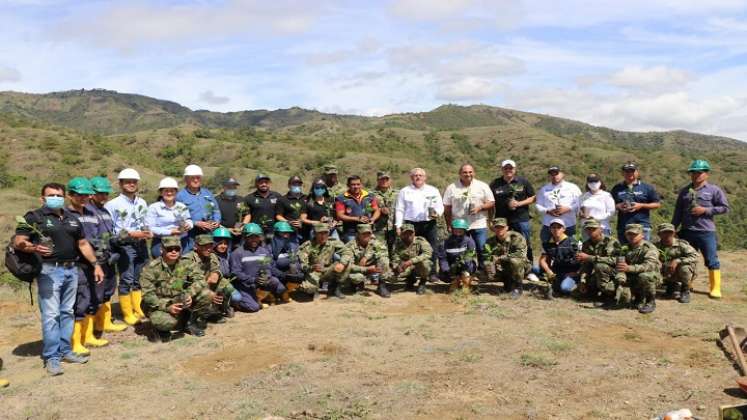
(459, 224)
(330, 169)
(321, 227)
(252, 229)
(592, 224)
(407, 227)
(500, 222)
(634, 228)
(222, 233)
(80, 185)
(382, 174)
(283, 226)
(171, 241)
(699, 165)
(363, 228)
(204, 239)
(665, 227)
(101, 184)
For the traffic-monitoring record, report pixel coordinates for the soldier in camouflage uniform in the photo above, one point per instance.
(641, 267)
(366, 258)
(330, 178)
(506, 257)
(319, 259)
(678, 260)
(598, 257)
(386, 197)
(175, 293)
(411, 258)
(209, 264)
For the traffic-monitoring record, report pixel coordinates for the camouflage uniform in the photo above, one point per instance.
(384, 227)
(311, 253)
(357, 259)
(419, 252)
(210, 265)
(686, 257)
(507, 258)
(163, 286)
(601, 276)
(644, 272)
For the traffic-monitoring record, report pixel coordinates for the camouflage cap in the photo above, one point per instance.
(665, 227)
(500, 222)
(634, 228)
(321, 227)
(382, 174)
(171, 241)
(407, 227)
(364, 228)
(592, 224)
(330, 170)
(204, 239)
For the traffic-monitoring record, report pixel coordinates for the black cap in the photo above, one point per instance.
(261, 176)
(295, 179)
(319, 182)
(231, 181)
(629, 165)
(554, 168)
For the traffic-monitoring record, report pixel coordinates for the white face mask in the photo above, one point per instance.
(594, 186)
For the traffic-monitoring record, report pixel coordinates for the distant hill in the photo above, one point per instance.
(88, 132)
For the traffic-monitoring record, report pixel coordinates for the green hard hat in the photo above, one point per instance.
(221, 233)
(283, 226)
(699, 165)
(101, 184)
(459, 224)
(80, 185)
(252, 229)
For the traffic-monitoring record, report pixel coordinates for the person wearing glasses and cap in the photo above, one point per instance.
(697, 204)
(558, 199)
(513, 195)
(634, 201)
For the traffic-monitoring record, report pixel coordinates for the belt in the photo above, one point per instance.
(419, 223)
(65, 264)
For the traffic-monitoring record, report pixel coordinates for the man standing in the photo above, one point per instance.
(291, 205)
(558, 199)
(128, 212)
(696, 206)
(678, 260)
(262, 205)
(386, 197)
(203, 209)
(513, 195)
(471, 200)
(56, 235)
(355, 207)
(230, 205)
(641, 267)
(330, 178)
(634, 201)
(420, 205)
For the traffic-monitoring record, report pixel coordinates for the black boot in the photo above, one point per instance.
(684, 293)
(382, 290)
(669, 293)
(193, 326)
(335, 290)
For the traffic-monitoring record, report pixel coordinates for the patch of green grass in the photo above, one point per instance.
(481, 305)
(632, 336)
(127, 355)
(470, 357)
(411, 387)
(133, 344)
(537, 360)
(557, 346)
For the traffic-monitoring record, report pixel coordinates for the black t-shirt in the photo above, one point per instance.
(64, 231)
(520, 189)
(263, 209)
(562, 255)
(315, 211)
(228, 210)
(291, 206)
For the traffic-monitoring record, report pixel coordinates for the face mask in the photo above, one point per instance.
(230, 193)
(319, 191)
(54, 203)
(295, 189)
(594, 186)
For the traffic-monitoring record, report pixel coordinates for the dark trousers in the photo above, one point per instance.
(705, 242)
(429, 231)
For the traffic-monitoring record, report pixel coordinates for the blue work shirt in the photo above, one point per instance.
(127, 215)
(640, 193)
(202, 205)
(708, 196)
(162, 219)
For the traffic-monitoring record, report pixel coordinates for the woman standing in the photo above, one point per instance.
(597, 203)
(167, 217)
(319, 209)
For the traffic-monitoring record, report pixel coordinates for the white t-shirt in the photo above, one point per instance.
(566, 194)
(599, 206)
(460, 197)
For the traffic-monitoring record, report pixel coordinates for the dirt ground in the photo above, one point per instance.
(433, 356)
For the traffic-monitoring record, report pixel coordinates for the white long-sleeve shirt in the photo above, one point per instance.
(566, 194)
(412, 204)
(599, 206)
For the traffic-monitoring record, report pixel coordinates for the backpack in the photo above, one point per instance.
(22, 265)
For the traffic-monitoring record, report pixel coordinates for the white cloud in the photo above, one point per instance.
(211, 98)
(650, 78)
(9, 74)
(429, 9)
(467, 89)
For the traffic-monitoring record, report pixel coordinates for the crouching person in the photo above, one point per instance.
(411, 258)
(641, 267)
(252, 267)
(365, 258)
(457, 257)
(505, 257)
(285, 256)
(176, 296)
(320, 263)
(678, 260)
(558, 261)
(209, 265)
(598, 257)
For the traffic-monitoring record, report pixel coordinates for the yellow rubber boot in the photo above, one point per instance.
(714, 278)
(104, 320)
(4, 383)
(125, 303)
(79, 333)
(90, 339)
(137, 299)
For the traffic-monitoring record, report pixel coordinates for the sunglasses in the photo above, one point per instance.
(173, 249)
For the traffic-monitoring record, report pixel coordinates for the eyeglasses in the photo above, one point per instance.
(173, 249)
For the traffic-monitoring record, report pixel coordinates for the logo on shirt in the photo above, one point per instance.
(273, 200)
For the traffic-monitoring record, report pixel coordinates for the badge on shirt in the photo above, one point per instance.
(273, 200)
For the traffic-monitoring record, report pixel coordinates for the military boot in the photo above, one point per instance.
(334, 290)
(684, 293)
(649, 305)
(382, 290)
(669, 292)
(421, 287)
(192, 326)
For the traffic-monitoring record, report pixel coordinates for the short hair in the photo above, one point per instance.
(413, 171)
(53, 186)
(352, 178)
(466, 164)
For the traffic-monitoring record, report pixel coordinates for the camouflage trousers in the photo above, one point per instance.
(421, 269)
(313, 280)
(511, 271)
(682, 275)
(605, 279)
(202, 306)
(643, 284)
(350, 279)
(224, 287)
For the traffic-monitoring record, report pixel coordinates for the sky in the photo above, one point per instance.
(643, 65)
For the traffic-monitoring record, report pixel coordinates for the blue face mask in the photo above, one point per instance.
(54, 203)
(230, 193)
(319, 191)
(295, 189)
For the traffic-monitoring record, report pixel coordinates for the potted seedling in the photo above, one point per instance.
(555, 198)
(44, 240)
(431, 200)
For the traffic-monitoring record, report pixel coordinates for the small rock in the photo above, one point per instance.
(311, 347)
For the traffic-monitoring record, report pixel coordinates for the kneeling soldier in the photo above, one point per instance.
(366, 257)
(209, 264)
(320, 264)
(678, 260)
(505, 257)
(411, 258)
(175, 293)
(457, 257)
(641, 267)
(598, 257)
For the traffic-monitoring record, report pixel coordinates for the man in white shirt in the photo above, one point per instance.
(420, 204)
(558, 199)
(470, 199)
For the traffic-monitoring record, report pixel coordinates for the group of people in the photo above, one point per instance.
(192, 257)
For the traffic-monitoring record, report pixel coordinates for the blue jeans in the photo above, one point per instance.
(480, 236)
(57, 289)
(705, 242)
(131, 262)
(545, 232)
(525, 228)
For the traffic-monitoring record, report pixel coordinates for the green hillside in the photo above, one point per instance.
(58, 135)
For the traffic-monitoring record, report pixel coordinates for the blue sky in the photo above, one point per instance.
(633, 65)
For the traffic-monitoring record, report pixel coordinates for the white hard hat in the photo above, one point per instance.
(168, 182)
(192, 170)
(129, 173)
